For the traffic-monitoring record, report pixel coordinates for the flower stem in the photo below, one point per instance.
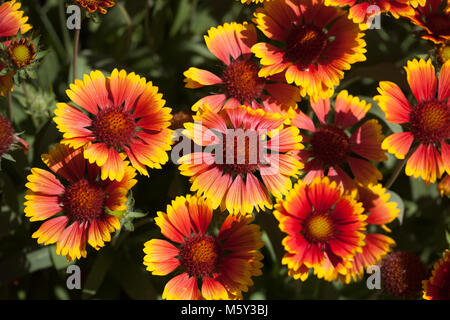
(75, 52)
(398, 169)
(10, 110)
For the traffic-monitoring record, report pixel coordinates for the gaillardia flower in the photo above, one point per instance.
(322, 223)
(379, 211)
(74, 201)
(12, 20)
(426, 123)
(434, 17)
(402, 273)
(245, 157)
(444, 186)
(210, 264)
(329, 147)
(6, 135)
(96, 5)
(362, 10)
(21, 52)
(438, 286)
(317, 43)
(8, 140)
(443, 52)
(239, 80)
(118, 116)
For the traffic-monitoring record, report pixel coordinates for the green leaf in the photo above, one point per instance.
(182, 16)
(134, 280)
(98, 272)
(118, 213)
(134, 215)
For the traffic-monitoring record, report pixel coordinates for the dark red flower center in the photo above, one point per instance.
(430, 121)
(318, 228)
(84, 200)
(305, 45)
(199, 255)
(241, 80)
(115, 127)
(402, 274)
(241, 151)
(331, 145)
(6, 135)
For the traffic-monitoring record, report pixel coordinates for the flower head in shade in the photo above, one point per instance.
(245, 157)
(402, 274)
(443, 52)
(361, 11)
(210, 264)
(239, 81)
(321, 223)
(12, 19)
(96, 5)
(8, 139)
(444, 186)
(433, 16)
(116, 117)
(74, 201)
(437, 287)
(426, 122)
(316, 44)
(6, 135)
(334, 144)
(6, 79)
(380, 211)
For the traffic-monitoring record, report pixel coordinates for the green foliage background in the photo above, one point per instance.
(160, 39)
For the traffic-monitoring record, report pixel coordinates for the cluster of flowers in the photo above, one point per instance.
(317, 174)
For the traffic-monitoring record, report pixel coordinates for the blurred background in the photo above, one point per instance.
(160, 39)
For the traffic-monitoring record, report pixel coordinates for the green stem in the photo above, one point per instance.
(10, 110)
(398, 169)
(76, 42)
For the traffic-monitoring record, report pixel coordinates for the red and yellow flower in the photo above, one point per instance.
(115, 117)
(246, 157)
(74, 202)
(317, 43)
(239, 80)
(379, 211)
(329, 148)
(96, 5)
(438, 286)
(12, 19)
(427, 122)
(444, 186)
(211, 264)
(360, 10)
(21, 52)
(322, 224)
(434, 18)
